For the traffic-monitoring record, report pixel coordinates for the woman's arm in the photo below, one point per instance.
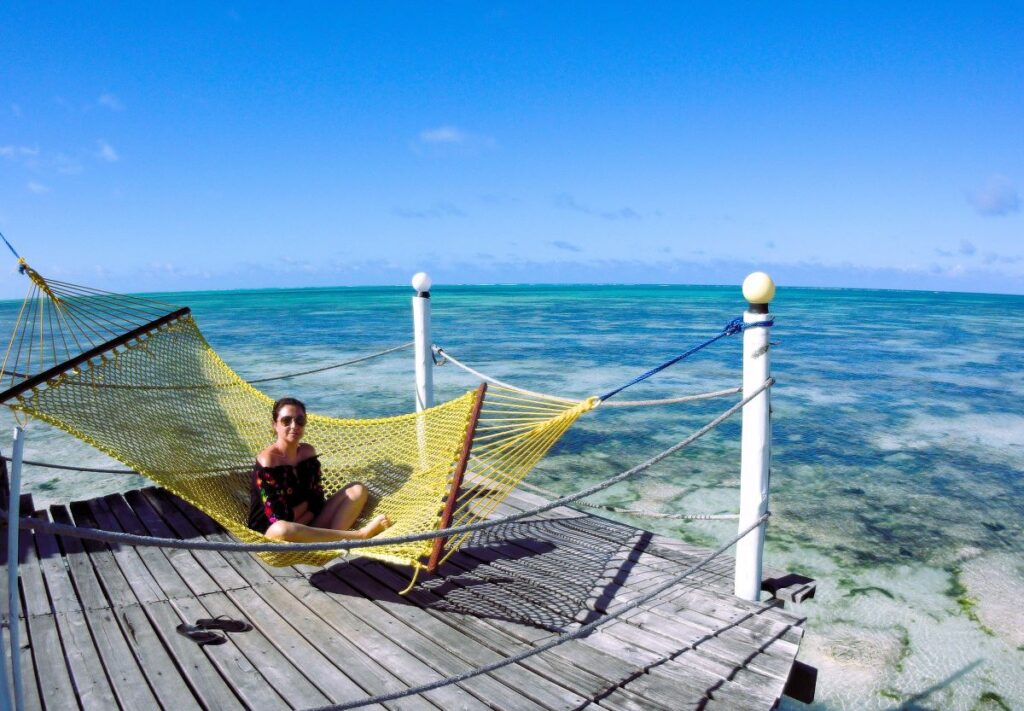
(275, 503)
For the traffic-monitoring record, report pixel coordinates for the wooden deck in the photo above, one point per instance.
(98, 622)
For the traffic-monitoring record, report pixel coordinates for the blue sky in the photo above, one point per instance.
(195, 146)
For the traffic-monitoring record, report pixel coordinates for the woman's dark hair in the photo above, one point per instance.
(287, 401)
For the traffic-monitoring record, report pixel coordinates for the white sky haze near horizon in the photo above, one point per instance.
(206, 146)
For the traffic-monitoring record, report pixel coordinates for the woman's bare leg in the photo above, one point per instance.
(341, 510)
(300, 533)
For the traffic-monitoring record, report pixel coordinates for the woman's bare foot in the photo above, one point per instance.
(375, 526)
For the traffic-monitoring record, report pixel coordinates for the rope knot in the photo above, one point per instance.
(734, 326)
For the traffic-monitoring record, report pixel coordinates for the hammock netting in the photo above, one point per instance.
(136, 379)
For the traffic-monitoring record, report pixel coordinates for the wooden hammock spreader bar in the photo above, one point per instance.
(89, 354)
(460, 470)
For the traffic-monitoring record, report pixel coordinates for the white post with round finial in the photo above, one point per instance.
(421, 332)
(755, 447)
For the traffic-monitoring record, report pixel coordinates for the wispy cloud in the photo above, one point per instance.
(37, 188)
(105, 151)
(567, 246)
(436, 211)
(996, 199)
(568, 202)
(965, 249)
(110, 101)
(66, 164)
(450, 137)
(443, 134)
(19, 151)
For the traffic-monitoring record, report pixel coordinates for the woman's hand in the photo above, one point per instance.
(378, 524)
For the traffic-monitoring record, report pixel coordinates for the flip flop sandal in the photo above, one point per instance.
(225, 623)
(199, 635)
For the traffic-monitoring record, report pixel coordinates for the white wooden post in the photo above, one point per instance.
(13, 514)
(755, 454)
(421, 330)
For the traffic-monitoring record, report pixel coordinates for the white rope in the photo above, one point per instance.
(637, 512)
(494, 381)
(336, 365)
(445, 356)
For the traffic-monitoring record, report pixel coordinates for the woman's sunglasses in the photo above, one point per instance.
(286, 420)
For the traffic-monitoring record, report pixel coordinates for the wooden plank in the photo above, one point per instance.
(703, 661)
(378, 646)
(256, 672)
(245, 564)
(576, 653)
(576, 679)
(129, 637)
(125, 578)
(113, 513)
(29, 680)
(28, 675)
(124, 657)
(434, 652)
(191, 571)
(214, 563)
(201, 676)
(275, 625)
(105, 641)
(56, 688)
(372, 678)
(523, 681)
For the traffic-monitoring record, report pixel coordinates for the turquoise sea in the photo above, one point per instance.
(897, 459)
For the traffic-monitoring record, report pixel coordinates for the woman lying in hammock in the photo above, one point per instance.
(287, 497)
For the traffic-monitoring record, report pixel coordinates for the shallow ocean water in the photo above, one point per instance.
(898, 445)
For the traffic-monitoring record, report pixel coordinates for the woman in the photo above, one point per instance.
(287, 497)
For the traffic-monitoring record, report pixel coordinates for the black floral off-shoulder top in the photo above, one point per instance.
(276, 491)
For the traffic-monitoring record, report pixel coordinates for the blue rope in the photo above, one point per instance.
(733, 327)
(21, 267)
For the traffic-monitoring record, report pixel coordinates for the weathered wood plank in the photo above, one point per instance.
(28, 675)
(140, 516)
(386, 617)
(248, 662)
(56, 688)
(572, 678)
(128, 683)
(202, 677)
(253, 570)
(352, 636)
(129, 638)
(370, 675)
(215, 564)
(518, 677)
(334, 611)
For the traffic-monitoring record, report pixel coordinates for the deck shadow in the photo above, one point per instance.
(540, 573)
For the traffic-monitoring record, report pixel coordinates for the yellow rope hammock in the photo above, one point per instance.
(136, 379)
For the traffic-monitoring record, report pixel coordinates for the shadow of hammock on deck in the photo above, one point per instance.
(540, 573)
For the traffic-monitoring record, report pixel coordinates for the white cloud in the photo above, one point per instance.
(443, 134)
(37, 188)
(996, 199)
(110, 101)
(18, 151)
(106, 152)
